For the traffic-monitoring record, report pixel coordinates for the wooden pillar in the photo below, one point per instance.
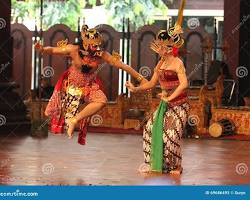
(12, 109)
(5, 41)
(243, 71)
(232, 33)
(236, 33)
(207, 47)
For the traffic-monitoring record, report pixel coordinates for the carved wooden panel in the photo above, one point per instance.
(240, 117)
(142, 56)
(109, 74)
(22, 58)
(56, 63)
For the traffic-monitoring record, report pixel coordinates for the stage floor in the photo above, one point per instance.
(113, 159)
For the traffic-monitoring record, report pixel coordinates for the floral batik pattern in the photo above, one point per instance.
(175, 119)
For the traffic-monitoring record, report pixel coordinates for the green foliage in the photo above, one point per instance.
(140, 12)
(66, 13)
(54, 12)
(22, 9)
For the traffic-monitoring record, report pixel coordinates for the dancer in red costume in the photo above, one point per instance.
(80, 83)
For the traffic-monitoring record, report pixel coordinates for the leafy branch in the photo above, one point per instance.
(140, 12)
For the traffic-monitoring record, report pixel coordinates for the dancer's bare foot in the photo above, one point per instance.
(71, 127)
(177, 171)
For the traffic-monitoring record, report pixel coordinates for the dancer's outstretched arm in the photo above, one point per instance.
(146, 86)
(116, 62)
(63, 50)
(150, 84)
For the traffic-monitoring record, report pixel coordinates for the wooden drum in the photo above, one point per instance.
(223, 127)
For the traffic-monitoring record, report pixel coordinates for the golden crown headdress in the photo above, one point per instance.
(172, 37)
(90, 37)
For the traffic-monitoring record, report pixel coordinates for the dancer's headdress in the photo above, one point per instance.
(172, 36)
(90, 37)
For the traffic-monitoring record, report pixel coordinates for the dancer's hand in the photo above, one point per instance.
(163, 97)
(130, 86)
(159, 47)
(39, 47)
(71, 126)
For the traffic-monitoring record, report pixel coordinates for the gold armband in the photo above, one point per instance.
(73, 120)
(139, 78)
(115, 57)
(62, 44)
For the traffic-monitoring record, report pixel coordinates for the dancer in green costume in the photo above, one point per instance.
(163, 131)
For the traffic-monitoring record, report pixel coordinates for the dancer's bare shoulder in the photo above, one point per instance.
(179, 66)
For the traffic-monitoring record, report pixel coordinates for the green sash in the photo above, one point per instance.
(157, 138)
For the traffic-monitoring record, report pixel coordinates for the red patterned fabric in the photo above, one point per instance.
(90, 84)
(53, 108)
(57, 125)
(82, 134)
(169, 81)
(92, 93)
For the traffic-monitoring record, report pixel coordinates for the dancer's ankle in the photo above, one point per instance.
(74, 120)
(176, 171)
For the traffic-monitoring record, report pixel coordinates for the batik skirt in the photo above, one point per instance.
(174, 121)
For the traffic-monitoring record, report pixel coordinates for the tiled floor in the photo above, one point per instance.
(113, 159)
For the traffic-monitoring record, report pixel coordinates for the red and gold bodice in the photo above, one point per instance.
(169, 81)
(84, 78)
